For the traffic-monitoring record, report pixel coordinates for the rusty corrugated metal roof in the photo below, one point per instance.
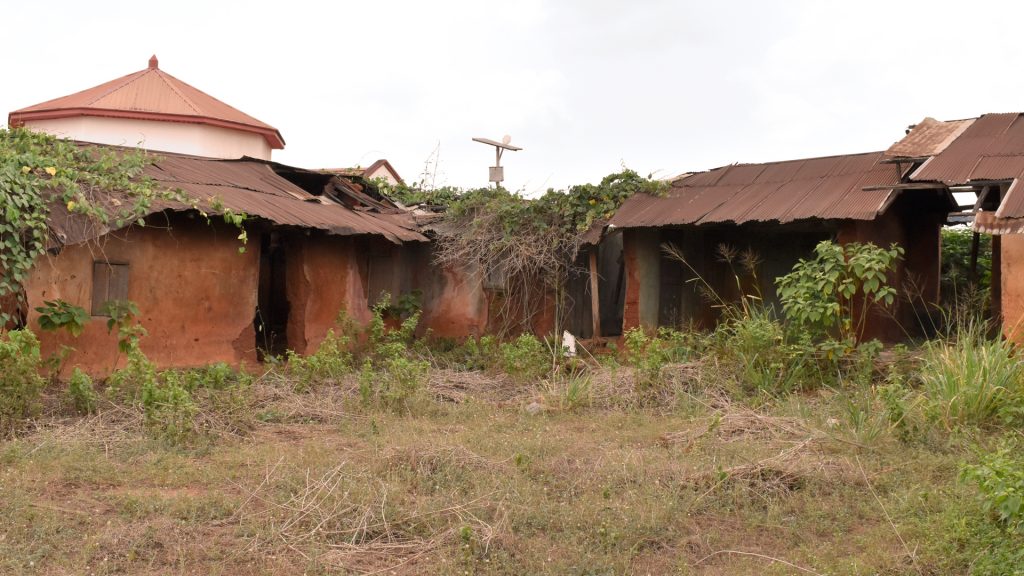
(149, 94)
(990, 148)
(252, 187)
(989, 223)
(815, 188)
(928, 138)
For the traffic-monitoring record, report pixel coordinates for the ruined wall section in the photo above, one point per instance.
(195, 292)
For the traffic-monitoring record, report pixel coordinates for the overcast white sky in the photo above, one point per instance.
(584, 86)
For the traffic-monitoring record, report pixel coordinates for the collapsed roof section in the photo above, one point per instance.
(985, 154)
(258, 188)
(847, 187)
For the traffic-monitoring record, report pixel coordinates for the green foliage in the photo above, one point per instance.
(390, 374)
(81, 393)
(956, 261)
(999, 477)
(60, 315)
(38, 171)
(138, 373)
(168, 408)
(528, 247)
(819, 294)
(526, 358)
(122, 315)
(972, 379)
(332, 359)
(219, 376)
(20, 383)
(647, 355)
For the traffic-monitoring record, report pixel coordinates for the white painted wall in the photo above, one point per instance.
(194, 139)
(381, 172)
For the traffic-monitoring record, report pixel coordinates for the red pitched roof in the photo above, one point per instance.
(149, 94)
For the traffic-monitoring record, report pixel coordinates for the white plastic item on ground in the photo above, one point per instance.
(568, 344)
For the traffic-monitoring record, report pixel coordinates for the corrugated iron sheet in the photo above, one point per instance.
(815, 188)
(992, 135)
(928, 138)
(989, 223)
(991, 148)
(251, 187)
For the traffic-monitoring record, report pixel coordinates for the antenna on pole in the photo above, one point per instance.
(497, 173)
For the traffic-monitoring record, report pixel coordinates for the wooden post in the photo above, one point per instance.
(595, 303)
(972, 276)
(996, 289)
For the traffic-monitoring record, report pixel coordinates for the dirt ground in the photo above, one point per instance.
(482, 477)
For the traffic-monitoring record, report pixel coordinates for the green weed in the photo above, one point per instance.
(20, 383)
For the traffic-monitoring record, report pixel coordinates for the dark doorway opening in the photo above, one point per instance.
(271, 321)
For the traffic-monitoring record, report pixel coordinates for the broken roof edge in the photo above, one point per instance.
(280, 206)
(927, 138)
(991, 223)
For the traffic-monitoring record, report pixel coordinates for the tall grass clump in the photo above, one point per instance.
(971, 379)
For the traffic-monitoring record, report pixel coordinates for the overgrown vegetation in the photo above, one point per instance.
(525, 248)
(762, 446)
(103, 187)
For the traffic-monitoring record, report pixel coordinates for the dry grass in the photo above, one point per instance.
(315, 483)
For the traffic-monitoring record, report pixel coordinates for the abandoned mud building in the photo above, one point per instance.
(319, 241)
(323, 241)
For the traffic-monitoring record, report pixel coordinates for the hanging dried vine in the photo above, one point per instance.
(526, 246)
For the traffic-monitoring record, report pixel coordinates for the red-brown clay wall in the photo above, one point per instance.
(323, 279)
(454, 305)
(1013, 286)
(195, 292)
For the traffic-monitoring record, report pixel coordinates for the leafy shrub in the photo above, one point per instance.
(819, 295)
(218, 376)
(1000, 480)
(646, 356)
(60, 315)
(389, 372)
(20, 383)
(168, 408)
(81, 393)
(996, 536)
(126, 383)
(971, 379)
(526, 358)
(331, 361)
(756, 356)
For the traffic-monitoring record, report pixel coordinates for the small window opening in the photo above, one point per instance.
(109, 283)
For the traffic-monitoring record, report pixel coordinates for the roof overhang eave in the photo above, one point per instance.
(271, 134)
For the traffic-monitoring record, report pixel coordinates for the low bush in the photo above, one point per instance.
(391, 373)
(525, 359)
(999, 542)
(20, 382)
(81, 393)
(126, 383)
(168, 408)
(331, 361)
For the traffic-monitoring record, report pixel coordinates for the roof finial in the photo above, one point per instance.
(153, 62)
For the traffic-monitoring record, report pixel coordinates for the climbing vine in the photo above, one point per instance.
(102, 187)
